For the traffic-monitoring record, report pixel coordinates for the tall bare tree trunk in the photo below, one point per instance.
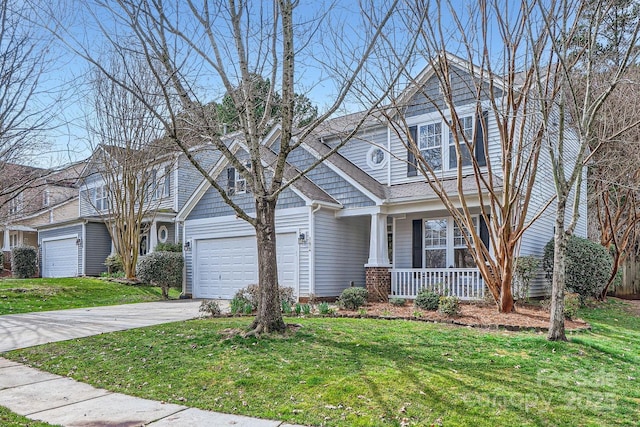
(506, 296)
(561, 238)
(269, 316)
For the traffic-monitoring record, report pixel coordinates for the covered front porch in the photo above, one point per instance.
(409, 252)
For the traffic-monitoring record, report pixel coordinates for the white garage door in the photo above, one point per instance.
(60, 258)
(225, 265)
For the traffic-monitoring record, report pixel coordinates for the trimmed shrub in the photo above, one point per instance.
(211, 308)
(427, 300)
(588, 265)
(353, 298)
(162, 269)
(24, 262)
(1, 261)
(114, 264)
(169, 247)
(449, 305)
(251, 295)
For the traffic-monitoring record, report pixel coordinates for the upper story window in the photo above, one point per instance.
(160, 183)
(430, 144)
(438, 148)
(236, 184)
(46, 198)
(101, 200)
(16, 204)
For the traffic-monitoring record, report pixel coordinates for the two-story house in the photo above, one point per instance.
(79, 246)
(48, 196)
(362, 217)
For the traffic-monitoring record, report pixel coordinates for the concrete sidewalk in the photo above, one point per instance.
(60, 400)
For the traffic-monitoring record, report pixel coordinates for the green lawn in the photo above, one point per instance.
(357, 372)
(28, 295)
(9, 419)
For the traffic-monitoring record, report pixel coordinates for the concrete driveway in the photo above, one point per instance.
(26, 330)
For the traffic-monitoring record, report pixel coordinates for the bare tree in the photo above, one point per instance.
(198, 51)
(496, 77)
(122, 177)
(23, 57)
(578, 60)
(614, 174)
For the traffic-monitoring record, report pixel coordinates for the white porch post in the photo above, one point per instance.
(153, 236)
(5, 240)
(378, 252)
(377, 275)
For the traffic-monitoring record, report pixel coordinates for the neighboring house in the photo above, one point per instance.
(49, 198)
(80, 246)
(363, 217)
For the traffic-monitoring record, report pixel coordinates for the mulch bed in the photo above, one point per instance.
(474, 315)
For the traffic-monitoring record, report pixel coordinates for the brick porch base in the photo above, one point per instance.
(378, 282)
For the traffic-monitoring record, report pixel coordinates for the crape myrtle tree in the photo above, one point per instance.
(125, 138)
(493, 70)
(200, 50)
(588, 66)
(614, 175)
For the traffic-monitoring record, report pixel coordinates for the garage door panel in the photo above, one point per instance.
(229, 264)
(60, 258)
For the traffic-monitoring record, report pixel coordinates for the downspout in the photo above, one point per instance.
(312, 244)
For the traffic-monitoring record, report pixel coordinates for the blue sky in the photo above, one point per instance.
(66, 77)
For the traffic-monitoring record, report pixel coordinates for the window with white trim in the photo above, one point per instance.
(465, 134)
(15, 204)
(439, 148)
(101, 201)
(430, 144)
(462, 257)
(14, 240)
(435, 243)
(46, 198)
(236, 183)
(445, 244)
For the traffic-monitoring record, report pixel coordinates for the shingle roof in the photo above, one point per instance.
(422, 190)
(354, 172)
(303, 184)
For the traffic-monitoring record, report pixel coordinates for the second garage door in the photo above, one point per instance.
(223, 266)
(60, 258)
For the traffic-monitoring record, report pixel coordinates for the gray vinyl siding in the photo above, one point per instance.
(87, 192)
(212, 205)
(542, 230)
(188, 176)
(297, 220)
(97, 247)
(357, 149)
(341, 249)
(332, 183)
(75, 229)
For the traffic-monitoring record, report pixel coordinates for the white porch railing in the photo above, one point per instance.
(465, 283)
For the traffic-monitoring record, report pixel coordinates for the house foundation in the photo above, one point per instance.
(378, 282)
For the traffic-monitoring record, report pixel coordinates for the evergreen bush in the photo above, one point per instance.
(24, 262)
(588, 265)
(162, 269)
